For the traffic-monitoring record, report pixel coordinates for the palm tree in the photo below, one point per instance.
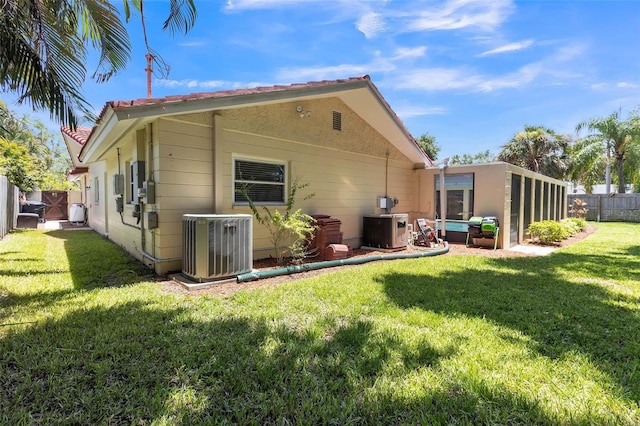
(613, 139)
(43, 48)
(588, 163)
(538, 149)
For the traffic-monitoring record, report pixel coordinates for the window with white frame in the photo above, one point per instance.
(458, 195)
(262, 181)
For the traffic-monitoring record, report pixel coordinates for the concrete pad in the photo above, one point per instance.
(534, 249)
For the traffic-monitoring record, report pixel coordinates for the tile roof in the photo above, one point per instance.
(80, 135)
(117, 105)
(78, 171)
(83, 134)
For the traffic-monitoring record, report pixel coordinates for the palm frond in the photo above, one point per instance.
(182, 16)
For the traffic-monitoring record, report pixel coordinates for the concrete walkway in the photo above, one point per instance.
(534, 249)
(62, 224)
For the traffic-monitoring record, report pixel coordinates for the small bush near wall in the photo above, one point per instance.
(550, 232)
(547, 232)
(574, 224)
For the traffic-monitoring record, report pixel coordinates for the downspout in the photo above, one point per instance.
(256, 275)
(443, 200)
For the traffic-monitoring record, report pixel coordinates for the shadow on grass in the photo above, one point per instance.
(634, 251)
(528, 294)
(139, 364)
(95, 262)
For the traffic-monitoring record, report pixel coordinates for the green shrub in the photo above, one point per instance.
(571, 227)
(547, 232)
(579, 222)
(290, 232)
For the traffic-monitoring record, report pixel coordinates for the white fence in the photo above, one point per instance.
(8, 206)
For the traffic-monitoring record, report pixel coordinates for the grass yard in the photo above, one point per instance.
(87, 337)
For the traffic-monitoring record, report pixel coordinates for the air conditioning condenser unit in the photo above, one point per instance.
(216, 246)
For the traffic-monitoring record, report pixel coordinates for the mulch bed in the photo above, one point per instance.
(455, 249)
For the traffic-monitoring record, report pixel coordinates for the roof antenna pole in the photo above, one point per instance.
(149, 71)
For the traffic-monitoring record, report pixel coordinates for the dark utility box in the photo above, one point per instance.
(385, 230)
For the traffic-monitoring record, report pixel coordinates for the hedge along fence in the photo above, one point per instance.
(610, 208)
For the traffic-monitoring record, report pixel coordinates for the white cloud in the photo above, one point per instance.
(437, 79)
(236, 5)
(192, 43)
(523, 76)
(370, 24)
(457, 14)
(322, 72)
(409, 52)
(618, 85)
(378, 64)
(406, 112)
(511, 47)
(202, 84)
(557, 69)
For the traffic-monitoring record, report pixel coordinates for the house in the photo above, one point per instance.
(154, 160)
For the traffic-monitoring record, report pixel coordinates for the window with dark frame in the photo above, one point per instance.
(262, 181)
(459, 190)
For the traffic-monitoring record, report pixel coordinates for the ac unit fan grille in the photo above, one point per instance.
(217, 246)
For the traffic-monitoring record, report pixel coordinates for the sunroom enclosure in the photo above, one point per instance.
(517, 197)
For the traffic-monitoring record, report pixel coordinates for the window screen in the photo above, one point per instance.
(262, 182)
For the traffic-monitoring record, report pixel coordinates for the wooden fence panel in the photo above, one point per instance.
(8, 206)
(610, 208)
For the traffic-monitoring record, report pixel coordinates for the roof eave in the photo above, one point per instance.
(114, 116)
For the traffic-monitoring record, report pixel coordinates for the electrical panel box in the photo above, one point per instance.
(386, 203)
(137, 173)
(118, 184)
(119, 204)
(149, 188)
(152, 220)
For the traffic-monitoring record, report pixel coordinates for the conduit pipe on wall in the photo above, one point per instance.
(256, 275)
(443, 199)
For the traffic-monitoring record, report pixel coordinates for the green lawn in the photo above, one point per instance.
(87, 337)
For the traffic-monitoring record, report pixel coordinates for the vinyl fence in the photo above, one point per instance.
(8, 206)
(610, 208)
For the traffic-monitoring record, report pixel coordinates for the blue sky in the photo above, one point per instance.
(470, 73)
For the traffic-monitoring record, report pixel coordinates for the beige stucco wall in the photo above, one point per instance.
(178, 158)
(97, 211)
(346, 170)
(190, 158)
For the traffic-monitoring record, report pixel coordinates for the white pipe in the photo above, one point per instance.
(443, 200)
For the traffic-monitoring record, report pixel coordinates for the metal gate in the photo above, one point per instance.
(56, 202)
